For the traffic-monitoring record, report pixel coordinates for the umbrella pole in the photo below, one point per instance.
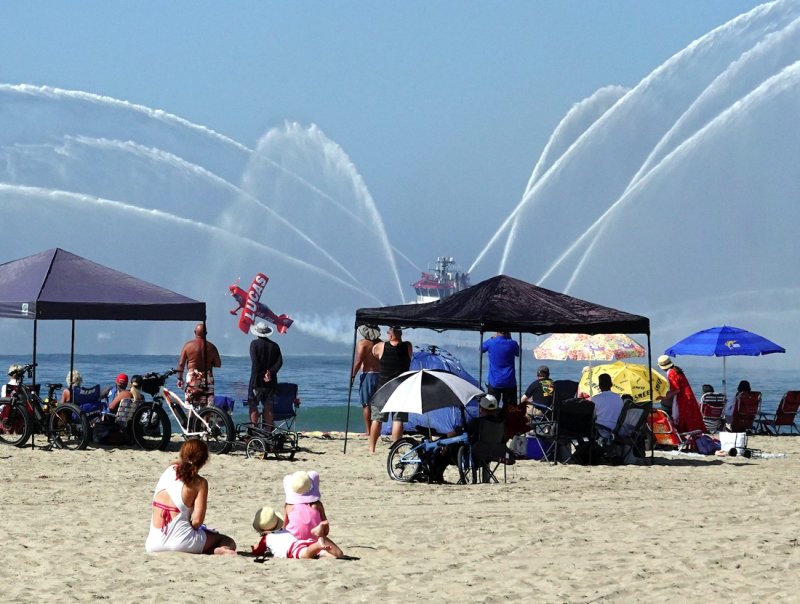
(480, 363)
(350, 391)
(519, 372)
(724, 378)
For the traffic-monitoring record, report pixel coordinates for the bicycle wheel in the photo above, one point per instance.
(151, 427)
(69, 428)
(467, 473)
(404, 461)
(16, 424)
(256, 448)
(284, 445)
(220, 433)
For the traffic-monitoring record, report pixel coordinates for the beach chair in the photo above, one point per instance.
(745, 411)
(573, 431)
(712, 407)
(784, 415)
(666, 436)
(630, 443)
(489, 450)
(284, 409)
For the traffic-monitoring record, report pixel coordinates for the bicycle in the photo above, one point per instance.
(152, 428)
(281, 437)
(24, 413)
(410, 459)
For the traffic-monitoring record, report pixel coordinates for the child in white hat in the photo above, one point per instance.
(304, 512)
(282, 544)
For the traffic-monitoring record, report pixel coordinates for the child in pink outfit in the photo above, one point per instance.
(304, 512)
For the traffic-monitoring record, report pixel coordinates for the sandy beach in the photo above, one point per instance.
(688, 527)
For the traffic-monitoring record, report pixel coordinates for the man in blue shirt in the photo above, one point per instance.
(502, 375)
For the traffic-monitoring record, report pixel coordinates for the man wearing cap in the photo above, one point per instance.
(541, 390)
(502, 374)
(121, 383)
(199, 357)
(266, 360)
(370, 367)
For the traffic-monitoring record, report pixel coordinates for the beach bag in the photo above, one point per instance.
(706, 445)
(108, 433)
(518, 445)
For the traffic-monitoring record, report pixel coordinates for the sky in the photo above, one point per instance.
(443, 108)
(440, 105)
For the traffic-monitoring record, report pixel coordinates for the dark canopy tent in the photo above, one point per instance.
(58, 285)
(503, 303)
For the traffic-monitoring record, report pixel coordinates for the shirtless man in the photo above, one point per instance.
(199, 362)
(370, 367)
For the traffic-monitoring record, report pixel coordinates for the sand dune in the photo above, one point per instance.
(74, 526)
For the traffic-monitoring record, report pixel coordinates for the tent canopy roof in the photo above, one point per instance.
(56, 284)
(503, 303)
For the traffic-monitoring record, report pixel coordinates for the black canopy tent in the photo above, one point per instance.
(58, 285)
(504, 303)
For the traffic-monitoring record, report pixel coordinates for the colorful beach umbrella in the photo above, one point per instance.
(724, 341)
(585, 347)
(627, 378)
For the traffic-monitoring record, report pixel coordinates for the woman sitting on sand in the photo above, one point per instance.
(179, 508)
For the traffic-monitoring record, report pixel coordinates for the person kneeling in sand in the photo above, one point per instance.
(282, 544)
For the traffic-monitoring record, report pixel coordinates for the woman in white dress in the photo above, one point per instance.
(179, 508)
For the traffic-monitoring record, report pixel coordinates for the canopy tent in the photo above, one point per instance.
(504, 303)
(58, 285)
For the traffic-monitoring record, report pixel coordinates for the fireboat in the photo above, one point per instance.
(441, 280)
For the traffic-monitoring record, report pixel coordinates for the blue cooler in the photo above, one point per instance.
(539, 448)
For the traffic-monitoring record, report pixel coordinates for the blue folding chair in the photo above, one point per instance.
(284, 411)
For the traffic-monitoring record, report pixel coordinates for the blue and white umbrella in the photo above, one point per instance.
(724, 341)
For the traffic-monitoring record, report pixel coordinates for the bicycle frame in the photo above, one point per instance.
(182, 412)
(420, 453)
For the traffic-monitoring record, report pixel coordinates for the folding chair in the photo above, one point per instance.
(629, 444)
(489, 449)
(712, 407)
(574, 430)
(745, 411)
(664, 432)
(284, 410)
(784, 415)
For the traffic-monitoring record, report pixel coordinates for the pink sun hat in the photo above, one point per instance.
(301, 487)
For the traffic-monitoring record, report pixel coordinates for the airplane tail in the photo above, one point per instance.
(283, 322)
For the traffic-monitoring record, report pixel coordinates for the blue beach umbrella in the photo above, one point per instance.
(725, 341)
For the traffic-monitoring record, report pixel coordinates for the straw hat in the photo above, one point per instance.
(301, 487)
(370, 332)
(488, 402)
(664, 362)
(261, 330)
(267, 519)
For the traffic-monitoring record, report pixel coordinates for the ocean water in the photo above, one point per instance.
(324, 380)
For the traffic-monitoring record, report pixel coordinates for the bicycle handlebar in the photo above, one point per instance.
(162, 377)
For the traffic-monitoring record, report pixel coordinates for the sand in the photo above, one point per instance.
(688, 527)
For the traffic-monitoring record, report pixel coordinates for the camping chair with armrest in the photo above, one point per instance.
(784, 415)
(574, 431)
(745, 411)
(284, 409)
(488, 449)
(712, 408)
(666, 436)
(630, 443)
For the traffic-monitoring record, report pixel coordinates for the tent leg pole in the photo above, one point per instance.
(350, 391)
(519, 372)
(72, 351)
(35, 327)
(650, 374)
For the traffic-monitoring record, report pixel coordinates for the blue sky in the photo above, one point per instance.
(440, 105)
